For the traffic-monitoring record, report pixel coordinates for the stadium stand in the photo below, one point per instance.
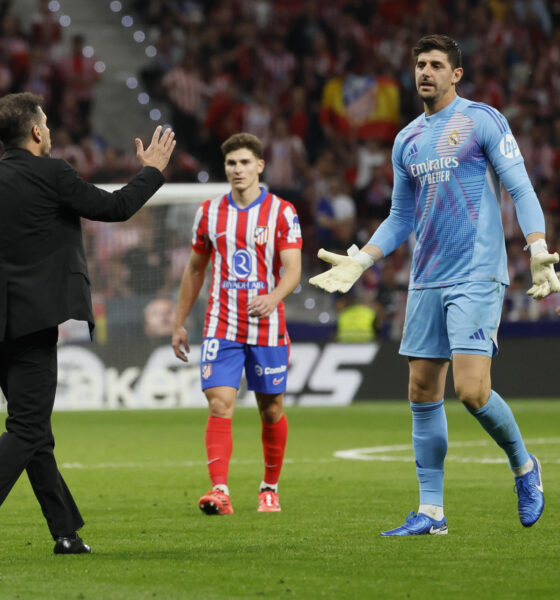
(326, 85)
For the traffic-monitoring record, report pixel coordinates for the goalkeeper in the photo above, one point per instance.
(448, 164)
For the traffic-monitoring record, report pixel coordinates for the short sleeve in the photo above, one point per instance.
(200, 239)
(289, 230)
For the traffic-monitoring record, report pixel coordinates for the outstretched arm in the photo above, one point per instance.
(91, 202)
(394, 230)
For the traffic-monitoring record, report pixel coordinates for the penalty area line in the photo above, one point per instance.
(385, 453)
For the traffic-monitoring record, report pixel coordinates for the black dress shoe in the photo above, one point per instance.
(71, 545)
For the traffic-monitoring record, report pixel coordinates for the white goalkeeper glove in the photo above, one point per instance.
(345, 271)
(544, 276)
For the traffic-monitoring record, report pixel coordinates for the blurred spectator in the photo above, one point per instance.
(187, 93)
(357, 321)
(78, 75)
(46, 31)
(286, 161)
(336, 216)
(518, 306)
(159, 315)
(391, 295)
(278, 64)
(223, 119)
(14, 47)
(257, 115)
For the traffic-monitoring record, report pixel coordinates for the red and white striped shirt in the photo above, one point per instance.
(245, 244)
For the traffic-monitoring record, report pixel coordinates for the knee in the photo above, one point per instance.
(271, 407)
(473, 394)
(220, 407)
(420, 390)
(271, 414)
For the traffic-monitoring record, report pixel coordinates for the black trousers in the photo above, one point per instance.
(28, 377)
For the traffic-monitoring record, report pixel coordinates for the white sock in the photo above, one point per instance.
(433, 511)
(222, 487)
(272, 486)
(528, 466)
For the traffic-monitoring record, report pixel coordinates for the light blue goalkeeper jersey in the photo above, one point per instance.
(447, 172)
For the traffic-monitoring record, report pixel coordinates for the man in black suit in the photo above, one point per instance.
(43, 282)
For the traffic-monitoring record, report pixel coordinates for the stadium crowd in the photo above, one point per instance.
(326, 86)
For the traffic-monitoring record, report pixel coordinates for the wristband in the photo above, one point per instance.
(537, 247)
(364, 259)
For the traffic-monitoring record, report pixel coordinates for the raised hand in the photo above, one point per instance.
(158, 153)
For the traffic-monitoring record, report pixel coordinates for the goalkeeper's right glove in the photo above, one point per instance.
(346, 270)
(543, 274)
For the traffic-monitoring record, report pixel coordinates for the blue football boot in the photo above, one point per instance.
(419, 525)
(530, 496)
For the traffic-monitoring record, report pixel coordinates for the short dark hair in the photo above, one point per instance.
(18, 114)
(243, 140)
(439, 42)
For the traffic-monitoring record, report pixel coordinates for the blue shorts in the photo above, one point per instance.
(459, 319)
(222, 363)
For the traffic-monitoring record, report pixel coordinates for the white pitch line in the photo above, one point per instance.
(379, 453)
(375, 453)
(180, 464)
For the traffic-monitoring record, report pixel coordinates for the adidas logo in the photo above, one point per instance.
(477, 335)
(413, 150)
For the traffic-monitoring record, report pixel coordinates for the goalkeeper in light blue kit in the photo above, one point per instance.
(448, 164)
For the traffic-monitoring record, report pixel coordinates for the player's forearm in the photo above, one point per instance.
(527, 206)
(395, 229)
(191, 284)
(533, 237)
(287, 284)
(374, 251)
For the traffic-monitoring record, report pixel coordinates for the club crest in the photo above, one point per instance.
(206, 371)
(454, 139)
(261, 235)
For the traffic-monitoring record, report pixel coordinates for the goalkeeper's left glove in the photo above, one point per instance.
(544, 276)
(346, 270)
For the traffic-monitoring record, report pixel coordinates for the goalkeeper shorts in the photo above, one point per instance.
(457, 319)
(222, 363)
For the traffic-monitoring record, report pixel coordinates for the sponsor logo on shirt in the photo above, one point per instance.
(434, 170)
(243, 285)
(509, 147)
(241, 264)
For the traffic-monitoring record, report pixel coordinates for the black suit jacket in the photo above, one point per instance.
(43, 272)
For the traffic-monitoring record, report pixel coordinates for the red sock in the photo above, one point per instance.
(219, 444)
(274, 436)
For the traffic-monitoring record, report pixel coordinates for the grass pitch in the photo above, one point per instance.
(137, 477)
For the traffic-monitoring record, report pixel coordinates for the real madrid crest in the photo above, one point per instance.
(454, 139)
